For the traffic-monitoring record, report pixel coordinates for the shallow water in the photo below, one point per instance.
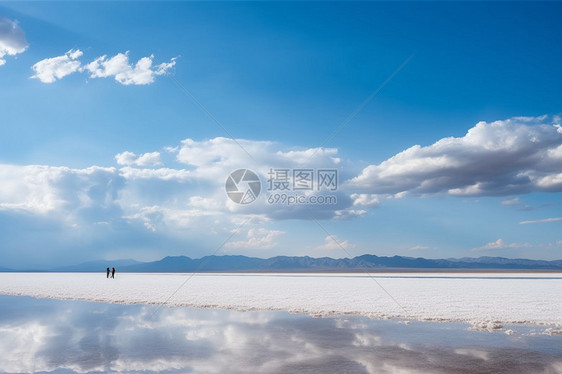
(45, 335)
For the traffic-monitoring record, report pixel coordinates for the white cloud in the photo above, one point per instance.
(418, 248)
(159, 218)
(331, 242)
(171, 149)
(309, 155)
(500, 244)
(174, 204)
(516, 203)
(164, 67)
(546, 220)
(224, 152)
(213, 160)
(257, 238)
(217, 157)
(205, 203)
(344, 214)
(42, 189)
(518, 155)
(511, 202)
(166, 174)
(51, 69)
(126, 158)
(149, 159)
(142, 73)
(146, 159)
(146, 208)
(365, 199)
(119, 67)
(12, 39)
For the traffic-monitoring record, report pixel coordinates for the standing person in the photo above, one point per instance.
(112, 273)
(108, 272)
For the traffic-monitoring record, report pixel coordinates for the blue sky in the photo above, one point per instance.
(95, 161)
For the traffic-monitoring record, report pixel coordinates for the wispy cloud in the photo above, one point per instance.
(500, 244)
(546, 220)
(121, 69)
(511, 202)
(12, 39)
(332, 243)
(516, 203)
(257, 238)
(143, 72)
(418, 248)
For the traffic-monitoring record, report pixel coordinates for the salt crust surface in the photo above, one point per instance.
(485, 300)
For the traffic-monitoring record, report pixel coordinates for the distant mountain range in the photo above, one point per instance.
(179, 264)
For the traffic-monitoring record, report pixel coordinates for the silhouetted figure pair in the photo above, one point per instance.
(112, 273)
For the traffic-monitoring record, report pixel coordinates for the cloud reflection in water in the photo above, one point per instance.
(52, 335)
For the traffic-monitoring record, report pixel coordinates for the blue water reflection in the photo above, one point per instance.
(42, 335)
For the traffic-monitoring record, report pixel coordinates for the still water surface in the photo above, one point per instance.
(45, 335)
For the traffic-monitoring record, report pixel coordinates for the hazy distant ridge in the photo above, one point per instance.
(178, 264)
(279, 263)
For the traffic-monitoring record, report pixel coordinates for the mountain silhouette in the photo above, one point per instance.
(368, 262)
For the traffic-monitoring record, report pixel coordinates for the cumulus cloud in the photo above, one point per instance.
(108, 207)
(77, 214)
(212, 157)
(224, 152)
(146, 159)
(257, 238)
(514, 156)
(176, 202)
(124, 72)
(51, 69)
(213, 160)
(500, 244)
(546, 220)
(43, 189)
(143, 72)
(141, 204)
(365, 199)
(12, 39)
